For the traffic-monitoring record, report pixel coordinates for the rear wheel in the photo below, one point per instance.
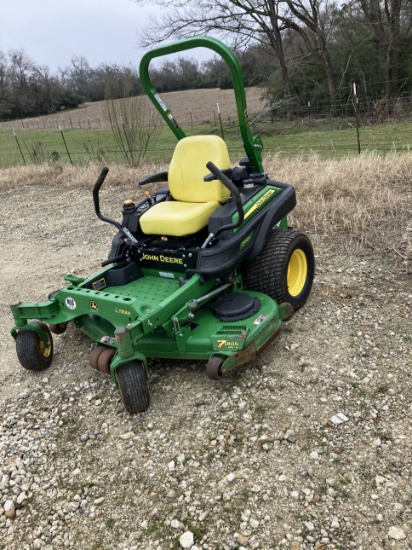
(285, 268)
(133, 386)
(32, 352)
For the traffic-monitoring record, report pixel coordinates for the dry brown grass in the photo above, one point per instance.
(365, 202)
(80, 176)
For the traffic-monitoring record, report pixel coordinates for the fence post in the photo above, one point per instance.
(65, 144)
(355, 103)
(18, 145)
(220, 121)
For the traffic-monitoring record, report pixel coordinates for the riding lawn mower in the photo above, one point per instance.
(205, 268)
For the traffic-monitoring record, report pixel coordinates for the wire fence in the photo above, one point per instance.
(84, 135)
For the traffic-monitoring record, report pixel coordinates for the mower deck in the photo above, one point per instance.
(157, 317)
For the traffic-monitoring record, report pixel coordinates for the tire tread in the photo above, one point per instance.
(133, 386)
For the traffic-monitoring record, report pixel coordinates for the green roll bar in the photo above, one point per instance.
(253, 145)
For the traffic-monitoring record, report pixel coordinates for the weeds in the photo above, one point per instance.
(261, 411)
(110, 523)
(352, 199)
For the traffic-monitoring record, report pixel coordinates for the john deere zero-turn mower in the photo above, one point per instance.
(206, 268)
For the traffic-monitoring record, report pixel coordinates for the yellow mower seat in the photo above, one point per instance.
(194, 199)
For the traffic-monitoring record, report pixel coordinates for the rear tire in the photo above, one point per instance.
(133, 386)
(285, 268)
(33, 354)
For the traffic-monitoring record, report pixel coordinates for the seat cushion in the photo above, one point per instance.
(188, 168)
(177, 218)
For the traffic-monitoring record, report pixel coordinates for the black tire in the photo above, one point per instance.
(33, 354)
(133, 386)
(285, 268)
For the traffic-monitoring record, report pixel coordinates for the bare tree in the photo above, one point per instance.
(4, 87)
(19, 73)
(20, 70)
(134, 127)
(247, 21)
(243, 22)
(311, 20)
(80, 75)
(389, 22)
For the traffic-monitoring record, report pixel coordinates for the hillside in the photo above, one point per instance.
(188, 107)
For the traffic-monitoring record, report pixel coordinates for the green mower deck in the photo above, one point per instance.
(170, 322)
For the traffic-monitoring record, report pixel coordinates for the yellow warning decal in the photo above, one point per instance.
(260, 202)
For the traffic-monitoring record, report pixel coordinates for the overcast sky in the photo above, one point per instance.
(53, 31)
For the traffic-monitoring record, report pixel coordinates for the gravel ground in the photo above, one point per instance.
(252, 461)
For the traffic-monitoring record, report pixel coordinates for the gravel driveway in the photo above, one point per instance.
(253, 461)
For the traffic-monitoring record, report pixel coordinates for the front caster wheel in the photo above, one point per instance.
(32, 352)
(133, 386)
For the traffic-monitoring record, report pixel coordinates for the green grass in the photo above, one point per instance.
(330, 139)
(334, 144)
(44, 145)
(29, 146)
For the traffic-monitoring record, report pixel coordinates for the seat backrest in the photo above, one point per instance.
(188, 168)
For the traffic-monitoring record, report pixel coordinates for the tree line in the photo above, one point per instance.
(28, 89)
(307, 54)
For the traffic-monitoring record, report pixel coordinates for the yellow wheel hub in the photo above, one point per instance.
(45, 350)
(297, 272)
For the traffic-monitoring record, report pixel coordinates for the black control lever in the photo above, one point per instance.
(236, 197)
(211, 177)
(96, 190)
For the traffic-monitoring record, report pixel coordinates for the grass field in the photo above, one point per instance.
(83, 135)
